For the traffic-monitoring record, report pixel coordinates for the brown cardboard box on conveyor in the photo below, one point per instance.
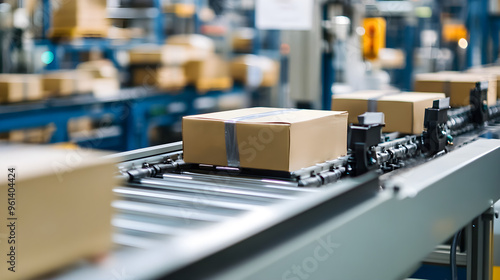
(404, 112)
(265, 138)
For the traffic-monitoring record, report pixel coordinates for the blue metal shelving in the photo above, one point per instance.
(131, 111)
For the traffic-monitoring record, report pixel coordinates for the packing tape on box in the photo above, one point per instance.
(232, 151)
(372, 102)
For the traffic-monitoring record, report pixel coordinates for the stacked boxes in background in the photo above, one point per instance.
(105, 79)
(64, 213)
(20, 87)
(204, 69)
(66, 82)
(209, 73)
(255, 71)
(265, 138)
(456, 85)
(159, 66)
(79, 18)
(404, 112)
(37, 135)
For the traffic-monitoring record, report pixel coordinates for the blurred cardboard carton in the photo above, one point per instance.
(255, 70)
(167, 78)
(168, 55)
(66, 82)
(20, 87)
(456, 85)
(265, 138)
(79, 18)
(198, 46)
(491, 70)
(62, 208)
(210, 73)
(404, 112)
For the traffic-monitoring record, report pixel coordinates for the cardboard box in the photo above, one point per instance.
(198, 46)
(181, 10)
(86, 15)
(20, 87)
(37, 135)
(66, 82)
(105, 79)
(210, 73)
(404, 112)
(456, 85)
(269, 138)
(356, 103)
(493, 70)
(63, 211)
(82, 124)
(242, 40)
(255, 70)
(170, 55)
(168, 78)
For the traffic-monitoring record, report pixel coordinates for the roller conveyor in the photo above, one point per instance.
(205, 222)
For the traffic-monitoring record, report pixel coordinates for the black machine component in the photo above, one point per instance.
(363, 140)
(479, 104)
(435, 136)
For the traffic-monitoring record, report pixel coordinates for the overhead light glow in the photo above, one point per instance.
(360, 30)
(462, 43)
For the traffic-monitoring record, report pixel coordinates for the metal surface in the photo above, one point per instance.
(389, 223)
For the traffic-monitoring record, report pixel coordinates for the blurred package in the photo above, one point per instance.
(210, 73)
(37, 135)
(82, 124)
(182, 10)
(63, 208)
(391, 58)
(356, 103)
(198, 46)
(265, 138)
(105, 79)
(162, 77)
(255, 71)
(125, 33)
(492, 70)
(20, 87)
(159, 55)
(404, 112)
(242, 40)
(79, 18)
(456, 85)
(66, 82)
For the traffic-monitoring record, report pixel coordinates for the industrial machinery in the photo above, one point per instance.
(376, 213)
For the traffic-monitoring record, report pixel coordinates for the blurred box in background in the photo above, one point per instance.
(159, 55)
(255, 71)
(198, 46)
(66, 82)
(492, 70)
(166, 77)
(20, 87)
(210, 73)
(404, 112)
(456, 85)
(79, 18)
(63, 208)
(105, 77)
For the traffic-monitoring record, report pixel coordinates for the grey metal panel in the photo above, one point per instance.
(387, 236)
(305, 60)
